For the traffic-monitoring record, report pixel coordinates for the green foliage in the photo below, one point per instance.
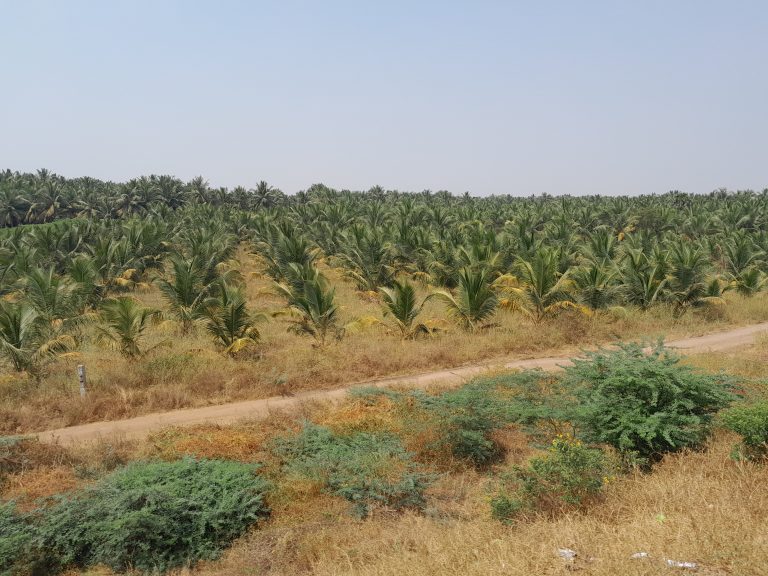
(400, 304)
(474, 302)
(284, 248)
(466, 417)
(595, 285)
(643, 278)
(27, 342)
(505, 507)
(230, 323)
(368, 258)
(313, 305)
(643, 404)
(125, 323)
(187, 292)
(751, 422)
(688, 282)
(154, 516)
(86, 239)
(16, 541)
(366, 469)
(568, 475)
(542, 290)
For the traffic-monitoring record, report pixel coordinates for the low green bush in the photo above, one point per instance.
(568, 475)
(751, 422)
(466, 417)
(366, 469)
(644, 405)
(152, 516)
(16, 537)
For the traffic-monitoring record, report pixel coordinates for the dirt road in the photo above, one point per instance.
(227, 413)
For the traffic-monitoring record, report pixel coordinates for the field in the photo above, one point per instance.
(176, 295)
(695, 506)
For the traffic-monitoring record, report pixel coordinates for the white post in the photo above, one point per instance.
(81, 376)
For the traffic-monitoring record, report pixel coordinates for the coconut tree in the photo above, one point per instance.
(538, 290)
(286, 247)
(401, 304)
(687, 282)
(595, 285)
(13, 207)
(750, 281)
(643, 279)
(90, 290)
(125, 324)
(743, 259)
(187, 291)
(368, 258)
(266, 196)
(57, 301)
(25, 339)
(314, 309)
(474, 301)
(230, 323)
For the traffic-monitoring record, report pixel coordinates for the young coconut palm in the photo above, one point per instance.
(83, 274)
(643, 279)
(595, 285)
(687, 282)
(400, 302)
(229, 322)
(25, 341)
(539, 290)
(315, 309)
(187, 292)
(125, 325)
(56, 300)
(474, 302)
(750, 281)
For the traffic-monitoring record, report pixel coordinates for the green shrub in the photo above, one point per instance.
(644, 405)
(366, 469)
(153, 516)
(751, 422)
(16, 535)
(505, 507)
(466, 417)
(568, 475)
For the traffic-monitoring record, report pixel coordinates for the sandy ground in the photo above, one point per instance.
(254, 409)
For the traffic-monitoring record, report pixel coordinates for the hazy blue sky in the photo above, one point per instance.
(573, 97)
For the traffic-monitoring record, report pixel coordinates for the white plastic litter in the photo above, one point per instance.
(687, 565)
(639, 555)
(566, 553)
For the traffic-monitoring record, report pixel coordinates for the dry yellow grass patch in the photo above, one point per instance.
(245, 442)
(26, 488)
(751, 363)
(357, 416)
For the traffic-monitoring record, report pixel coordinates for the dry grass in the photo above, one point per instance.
(751, 363)
(247, 442)
(27, 488)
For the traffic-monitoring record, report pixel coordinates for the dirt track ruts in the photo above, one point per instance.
(227, 413)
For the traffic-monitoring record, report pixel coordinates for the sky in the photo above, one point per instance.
(515, 97)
